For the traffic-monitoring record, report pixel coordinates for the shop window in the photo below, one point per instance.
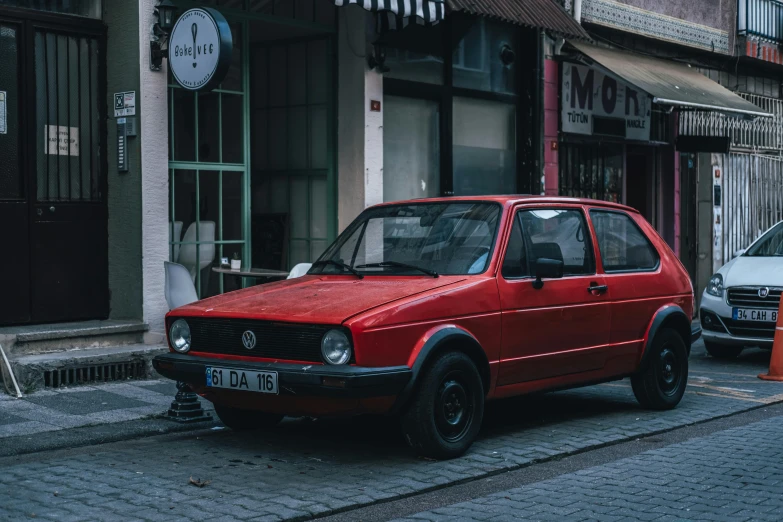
(622, 245)
(411, 149)
(589, 170)
(484, 137)
(414, 67)
(88, 8)
(484, 59)
(290, 154)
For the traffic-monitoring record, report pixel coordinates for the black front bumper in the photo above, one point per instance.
(294, 379)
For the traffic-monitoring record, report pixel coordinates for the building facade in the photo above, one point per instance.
(666, 157)
(114, 165)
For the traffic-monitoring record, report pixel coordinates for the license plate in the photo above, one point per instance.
(247, 380)
(749, 314)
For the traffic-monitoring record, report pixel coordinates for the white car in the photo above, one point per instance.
(739, 307)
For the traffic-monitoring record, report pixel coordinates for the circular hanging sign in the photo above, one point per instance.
(200, 49)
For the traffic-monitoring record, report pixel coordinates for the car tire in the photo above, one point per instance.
(660, 385)
(720, 351)
(241, 420)
(445, 415)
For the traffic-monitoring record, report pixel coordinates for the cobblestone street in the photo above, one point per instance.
(312, 468)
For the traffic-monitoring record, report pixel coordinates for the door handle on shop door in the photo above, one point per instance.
(596, 288)
(51, 209)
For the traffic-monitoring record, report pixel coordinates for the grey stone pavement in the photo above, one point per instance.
(312, 468)
(732, 475)
(59, 409)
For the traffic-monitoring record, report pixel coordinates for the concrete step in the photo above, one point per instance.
(85, 366)
(50, 338)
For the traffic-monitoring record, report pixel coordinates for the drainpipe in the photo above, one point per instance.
(578, 11)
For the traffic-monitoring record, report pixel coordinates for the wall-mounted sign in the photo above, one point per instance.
(200, 49)
(589, 95)
(61, 140)
(124, 104)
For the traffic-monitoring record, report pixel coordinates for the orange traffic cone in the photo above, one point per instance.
(776, 361)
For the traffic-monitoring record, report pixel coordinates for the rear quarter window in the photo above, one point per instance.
(622, 244)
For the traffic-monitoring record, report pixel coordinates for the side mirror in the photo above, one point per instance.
(549, 268)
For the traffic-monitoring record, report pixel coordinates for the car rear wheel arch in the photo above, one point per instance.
(450, 339)
(672, 317)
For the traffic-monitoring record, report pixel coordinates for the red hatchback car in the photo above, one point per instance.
(426, 309)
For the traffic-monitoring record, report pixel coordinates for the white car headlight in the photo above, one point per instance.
(179, 336)
(336, 348)
(715, 287)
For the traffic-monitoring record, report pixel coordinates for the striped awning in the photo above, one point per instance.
(396, 14)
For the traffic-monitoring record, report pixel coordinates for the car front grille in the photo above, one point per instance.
(292, 342)
(753, 329)
(748, 297)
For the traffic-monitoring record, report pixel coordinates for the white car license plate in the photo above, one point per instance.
(233, 379)
(749, 314)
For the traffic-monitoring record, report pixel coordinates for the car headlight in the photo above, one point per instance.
(179, 336)
(715, 287)
(335, 347)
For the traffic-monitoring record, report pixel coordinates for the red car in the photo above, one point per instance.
(426, 309)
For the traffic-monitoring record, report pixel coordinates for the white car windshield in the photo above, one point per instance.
(770, 244)
(422, 239)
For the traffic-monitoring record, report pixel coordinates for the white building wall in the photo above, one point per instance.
(152, 114)
(359, 131)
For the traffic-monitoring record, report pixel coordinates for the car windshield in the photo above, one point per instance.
(770, 244)
(422, 239)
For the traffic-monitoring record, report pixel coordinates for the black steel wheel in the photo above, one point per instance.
(661, 384)
(445, 416)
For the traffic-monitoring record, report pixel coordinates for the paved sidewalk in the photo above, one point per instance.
(732, 475)
(66, 408)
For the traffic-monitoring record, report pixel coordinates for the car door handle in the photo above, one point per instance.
(597, 288)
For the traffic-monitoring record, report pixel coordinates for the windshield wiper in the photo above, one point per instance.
(427, 271)
(339, 265)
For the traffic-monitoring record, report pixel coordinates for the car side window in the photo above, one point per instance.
(558, 234)
(623, 246)
(515, 264)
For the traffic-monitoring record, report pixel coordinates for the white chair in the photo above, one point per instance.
(299, 270)
(175, 236)
(179, 288)
(206, 250)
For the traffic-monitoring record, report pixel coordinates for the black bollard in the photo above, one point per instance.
(186, 407)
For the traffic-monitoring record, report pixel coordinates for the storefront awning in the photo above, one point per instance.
(544, 14)
(669, 83)
(395, 14)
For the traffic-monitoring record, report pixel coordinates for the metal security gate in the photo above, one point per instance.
(53, 205)
(752, 199)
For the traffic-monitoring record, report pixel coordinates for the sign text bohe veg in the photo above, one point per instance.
(200, 49)
(587, 93)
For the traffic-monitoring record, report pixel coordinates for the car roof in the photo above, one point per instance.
(514, 199)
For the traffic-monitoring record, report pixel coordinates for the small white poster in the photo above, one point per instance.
(124, 104)
(3, 113)
(62, 140)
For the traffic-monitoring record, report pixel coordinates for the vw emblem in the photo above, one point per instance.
(249, 339)
(763, 292)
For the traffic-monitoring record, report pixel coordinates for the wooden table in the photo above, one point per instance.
(256, 273)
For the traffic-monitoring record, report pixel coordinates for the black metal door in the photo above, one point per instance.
(14, 210)
(68, 234)
(54, 215)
